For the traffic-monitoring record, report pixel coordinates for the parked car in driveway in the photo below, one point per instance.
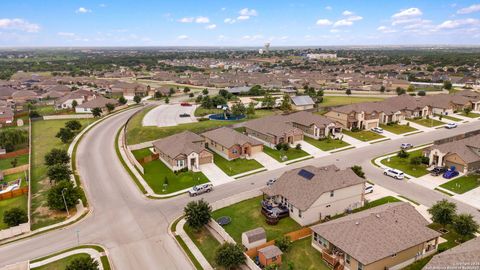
(450, 173)
(184, 115)
(406, 146)
(438, 171)
(185, 104)
(368, 188)
(451, 125)
(377, 130)
(397, 174)
(200, 189)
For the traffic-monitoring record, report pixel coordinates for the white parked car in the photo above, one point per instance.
(397, 174)
(377, 129)
(200, 189)
(451, 125)
(406, 146)
(368, 188)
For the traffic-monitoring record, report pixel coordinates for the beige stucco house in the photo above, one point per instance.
(231, 144)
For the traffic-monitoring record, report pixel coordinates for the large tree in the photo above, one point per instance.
(465, 225)
(73, 125)
(443, 212)
(97, 112)
(82, 263)
(57, 156)
(59, 172)
(197, 214)
(55, 199)
(15, 216)
(229, 256)
(65, 135)
(286, 105)
(238, 109)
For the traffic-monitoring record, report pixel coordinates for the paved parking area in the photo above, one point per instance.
(169, 115)
(215, 174)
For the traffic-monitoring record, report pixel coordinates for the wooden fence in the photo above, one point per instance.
(148, 159)
(18, 169)
(294, 236)
(14, 193)
(14, 153)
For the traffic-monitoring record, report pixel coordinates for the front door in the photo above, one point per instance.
(192, 163)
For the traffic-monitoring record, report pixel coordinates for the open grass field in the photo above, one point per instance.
(398, 129)
(246, 215)
(404, 165)
(363, 135)
(331, 101)
(303, 256)
(236, 166)
(206, 243)
(463, 184)
(6, 163)
(44, 140)
(291, 154)
(20, 201)
(326, 144)
(156, 172)
(427, 122)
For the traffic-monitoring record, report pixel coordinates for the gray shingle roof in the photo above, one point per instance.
(270, 251)
(274, 125)
(467, 254)
(308, 119)
(229, 137)
(98, 102)
(256, 234)
(467, 149)
(302, 100)
(180, 144)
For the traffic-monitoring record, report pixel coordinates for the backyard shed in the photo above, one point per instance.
(254, 238)
(270, 255)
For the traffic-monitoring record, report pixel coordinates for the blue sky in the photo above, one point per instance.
(238, 23)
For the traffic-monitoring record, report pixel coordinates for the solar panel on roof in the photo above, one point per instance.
(306, 174)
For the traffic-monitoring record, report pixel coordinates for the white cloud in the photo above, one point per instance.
(385, 29)
(186, 20)
(211, 26)
(407, 13)
(344, 22)
(102, 5)
(355, 18)
(19, 24)
(66, 34)
(182, 37)
(202, 20)
(347, 13)
(334, 31)
(452, 24)
(252, 38)
(470, 9)
(248, 12)
(324, 22)
(83, 10)
(229, 20)
(243, 17)
(328, 8)
(223, 9)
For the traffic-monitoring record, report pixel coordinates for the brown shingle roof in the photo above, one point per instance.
(467, 149)
(180, 144)
(466, 254)
(98, 102)
(308, 119)
(270, 251)
(229, 137)
(377, 233)
(303, 192)
(274, 125)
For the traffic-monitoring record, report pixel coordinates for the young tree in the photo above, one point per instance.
(467, 110)
(82, 263)
(443, 212)
(348, 92)
(358, 170)
(58, 172)
(55, 199)
(171, 91)
(447, 85)
(268, 101)
(382, 89)
(229, 256)
(197, 214)
(286, 105)
(207, 102)
(158, 95)
(73, 125)
(465, 225)
(65, 134)
(251, 109)
(14, 162)
(191, 95)
(238, 109)
(400, 91)
(15, 216)
(403, 154)
(205, 91)
(186, 89)
(110, 107)
(167, 100)
(97, 112)
(74, 104)
(284, 243)
(137, 99)
(57, 156)
(411, 88)
(122, 100)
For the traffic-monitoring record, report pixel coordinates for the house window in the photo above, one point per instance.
(234, 151)
(332, 193)
(315, 237)
(299, 213)
(328, 206)
(274, 259)
(347, 258)
(180, 163)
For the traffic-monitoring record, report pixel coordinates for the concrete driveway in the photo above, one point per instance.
(312, 150)
(215, 174)
(166, 115)
(471, 197)
(267, 161)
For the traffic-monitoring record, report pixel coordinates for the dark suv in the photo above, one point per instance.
(438, 171)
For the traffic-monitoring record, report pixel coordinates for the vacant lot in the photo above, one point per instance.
(463, 184)
(363, 135)
(236, 166)
(398, 129)
(331, 101)
(326, 144)
(405, 166)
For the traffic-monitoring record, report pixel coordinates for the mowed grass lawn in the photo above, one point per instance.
(206, 243)
(363, 135)
(303, 256)
(156, 172)
(20, 201)
(463, 184)
(246, 215)
(326, 144)
(62, 263)
(291, 154)
(471, 114)
(6, 163)
(44, 140)
(427, 122)
(136, 133)
(452, 237)
(398, 129)
(236, 166)
(330, 101)
(448, 117)
(404, 165)
(141, 153)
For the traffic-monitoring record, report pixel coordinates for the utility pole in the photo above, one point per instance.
(65, 201)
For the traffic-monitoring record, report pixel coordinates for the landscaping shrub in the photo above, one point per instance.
(416, 160)
(403, 154)
(229, 256)
(84, 263)
(15, 216)
(298, 146)
(284, 243)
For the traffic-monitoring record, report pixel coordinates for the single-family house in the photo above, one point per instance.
(79, 96)
(272, 130)
(23, 96)
(473, 96)
(313, 125)
(231, 144)
(6, 115)
(315, 193)
(97, 102)
(356, 116)
(464, 154)
(466, 254)
(302, 103)
(390, 236)
(6, 92)
(447, 104)
(183, 150)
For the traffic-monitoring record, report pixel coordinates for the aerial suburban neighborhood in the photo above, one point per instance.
(243, 135)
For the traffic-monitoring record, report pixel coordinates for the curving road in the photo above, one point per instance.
(134, 229)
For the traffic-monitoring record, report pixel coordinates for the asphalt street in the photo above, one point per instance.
(134, 229)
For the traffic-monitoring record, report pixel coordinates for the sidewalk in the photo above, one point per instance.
(191, 246)
(90, 251)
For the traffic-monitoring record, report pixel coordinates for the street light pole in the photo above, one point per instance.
(65, 201)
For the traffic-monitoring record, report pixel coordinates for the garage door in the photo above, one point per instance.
(371, 125)
(458, 167)
(205, 160)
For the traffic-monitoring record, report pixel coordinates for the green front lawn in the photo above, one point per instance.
(471, 114)
(427, 122)
(236, 166)
(452, 237)
(291, 154)
(156, 171)
(62, 263)
(303, 256)
(6, 163)
(463, 184)
(326, 144)
(205, 242)
(141, 153)
(398, 129)
(44, 140)
(246, 215)
(330, 101)
(363, 135)
(404, 165)
(20, 201)
(448, 117)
